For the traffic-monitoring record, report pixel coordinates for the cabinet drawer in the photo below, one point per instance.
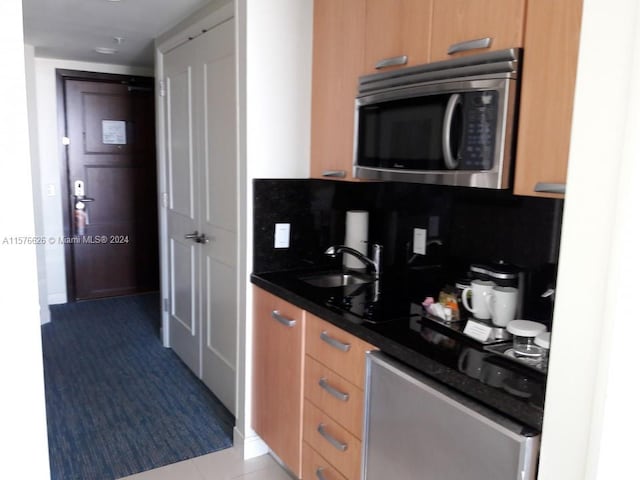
(334, 443)
(328, 391)
(337, 349)
(314, 467)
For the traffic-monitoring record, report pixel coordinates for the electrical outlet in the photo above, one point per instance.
(281, 236)
(420, 241)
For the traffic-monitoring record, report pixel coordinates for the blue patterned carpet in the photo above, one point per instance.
(118, 402)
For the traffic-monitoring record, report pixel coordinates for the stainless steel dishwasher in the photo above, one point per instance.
(418, 429)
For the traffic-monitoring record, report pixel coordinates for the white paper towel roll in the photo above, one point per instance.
(356, 237)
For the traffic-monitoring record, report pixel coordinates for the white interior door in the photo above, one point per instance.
(182, 209)
(218, 197)
(203, 195)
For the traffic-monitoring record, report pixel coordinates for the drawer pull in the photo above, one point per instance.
(550, 187)
(469, 45)
(334, 173)
(319, 474)
(333, 391)
(336, 443)
(343, 347)
(287, 322)
(392, 62)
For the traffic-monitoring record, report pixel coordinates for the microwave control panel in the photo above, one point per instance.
(479, 130)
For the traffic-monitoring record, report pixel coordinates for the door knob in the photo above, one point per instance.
(202, 238)
(197, 237)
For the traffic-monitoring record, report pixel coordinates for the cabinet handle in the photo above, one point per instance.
(343, 347)
(327, 436)
(543, 187)
(319, 474)
(469, 45)
(324, 384)
(283, 320)
(334, 173)
(392, 62)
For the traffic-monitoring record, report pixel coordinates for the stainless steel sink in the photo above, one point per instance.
(336, 279)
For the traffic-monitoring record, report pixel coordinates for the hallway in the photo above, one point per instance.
(118, 402)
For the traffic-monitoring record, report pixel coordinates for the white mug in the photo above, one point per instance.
(479, 289)
(502, 302)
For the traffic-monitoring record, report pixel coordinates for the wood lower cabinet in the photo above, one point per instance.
(338, 350)
(278, 366)
(394, 29)
(314, 467)
(546, 99)
(338, 55)
(339, 447)
(334, 400)
(459, 21)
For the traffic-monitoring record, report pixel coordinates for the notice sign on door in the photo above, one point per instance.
(114, 132)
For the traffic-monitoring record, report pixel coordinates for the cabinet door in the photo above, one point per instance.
(338, 52)
(458, 21)
(546, 101)
(394, 29)
(278, 332)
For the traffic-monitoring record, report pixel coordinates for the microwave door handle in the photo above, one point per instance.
(449, 161)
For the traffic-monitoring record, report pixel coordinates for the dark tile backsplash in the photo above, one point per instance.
(474, 225)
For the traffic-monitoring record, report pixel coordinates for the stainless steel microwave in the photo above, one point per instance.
(447, 123)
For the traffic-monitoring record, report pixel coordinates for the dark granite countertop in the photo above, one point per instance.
(402, 332)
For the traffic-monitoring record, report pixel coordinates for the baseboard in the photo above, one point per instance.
(252, 446)
(56, 298)
(45, 315)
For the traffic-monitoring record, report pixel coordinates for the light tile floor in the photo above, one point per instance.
(222, 465)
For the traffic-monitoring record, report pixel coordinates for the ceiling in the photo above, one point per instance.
(72, 29)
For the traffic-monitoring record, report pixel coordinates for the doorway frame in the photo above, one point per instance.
(62, 75)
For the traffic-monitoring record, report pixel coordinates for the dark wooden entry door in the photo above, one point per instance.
(112, 212)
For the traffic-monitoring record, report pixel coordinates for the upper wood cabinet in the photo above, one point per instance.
(546, 100)
(396, 29)
(458, 21)
(278, 361)
(338, 56)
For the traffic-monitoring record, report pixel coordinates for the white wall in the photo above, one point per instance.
(591, 419)
(23, 435)
(30, 66)
(274, 55)
(50, 163)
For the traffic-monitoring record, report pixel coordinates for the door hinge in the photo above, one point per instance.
(165, 304)
(161, 90)
(66, 141)
(165, 199)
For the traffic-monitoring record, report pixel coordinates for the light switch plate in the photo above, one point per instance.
(420, 241)
(282, 235)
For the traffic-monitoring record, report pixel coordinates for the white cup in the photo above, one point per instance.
(502, 302)
(480, 290)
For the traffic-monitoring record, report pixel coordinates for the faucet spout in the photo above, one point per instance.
(375, 263)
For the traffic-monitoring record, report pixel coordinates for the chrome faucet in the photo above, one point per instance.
(375, 262)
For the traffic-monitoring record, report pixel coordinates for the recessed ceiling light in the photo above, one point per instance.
(106, 50)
